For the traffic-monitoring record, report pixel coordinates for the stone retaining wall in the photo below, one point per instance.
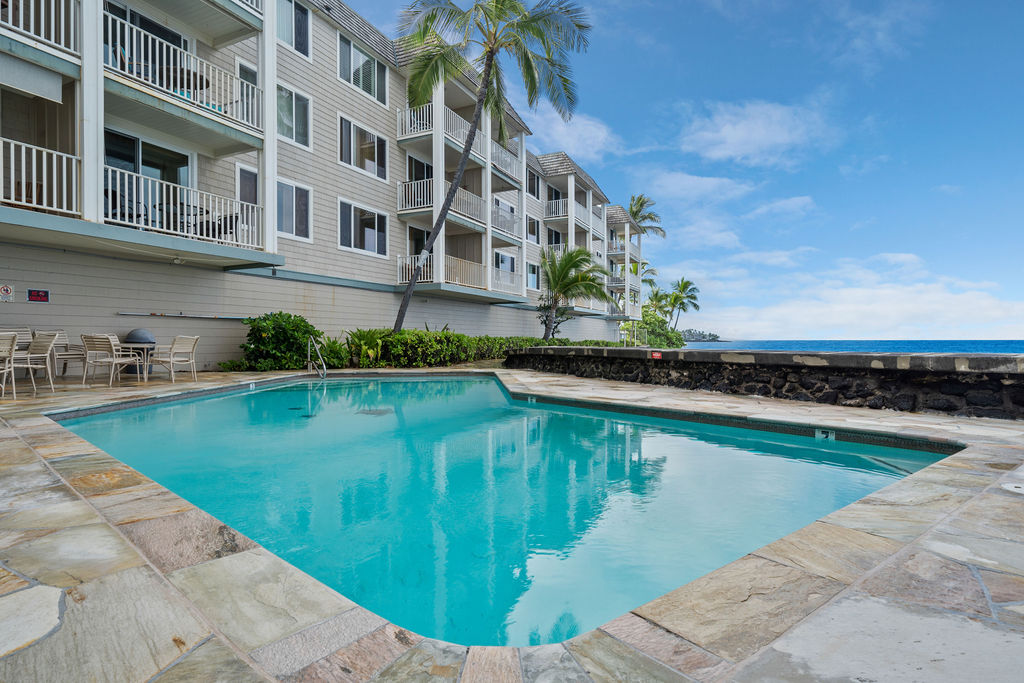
(981, 385)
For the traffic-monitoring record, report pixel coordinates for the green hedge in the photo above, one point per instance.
(277, 341)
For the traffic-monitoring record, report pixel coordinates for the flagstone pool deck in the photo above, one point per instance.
(106, 575)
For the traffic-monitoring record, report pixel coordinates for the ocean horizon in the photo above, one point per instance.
(1000, 346)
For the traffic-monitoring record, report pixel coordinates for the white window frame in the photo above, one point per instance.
(291, 236)
(540, 184)
(540, 228)
(166, 143)
(291, 46)
(290, 141)
(530, 264)
(387, 161)
(387, 72)
(363, 252)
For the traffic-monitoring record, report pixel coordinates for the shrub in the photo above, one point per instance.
(364, 347)
(335, 352)
(276, 341)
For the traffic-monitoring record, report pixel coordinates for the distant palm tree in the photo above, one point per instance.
(641, 210)
(567, 276)
(659, 301)
(645, 272)
(538, 40)
(683, 298)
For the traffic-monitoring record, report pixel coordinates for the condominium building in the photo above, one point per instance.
(180, 165)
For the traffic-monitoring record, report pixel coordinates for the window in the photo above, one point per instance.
(533, 184)
(532, 276)
(293, 25)
(363, 149)
(362, 229)
(361, 70)
(554, 194)
(292, 116)
(504, 262)
(417, 241)
(292, 210)
(248, 185)
(554, 237)
(419, 170)
(533, 230)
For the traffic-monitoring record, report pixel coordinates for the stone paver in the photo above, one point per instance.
(666, 647)
(927, 579)
(429, 660)
(136, 503)
(362, 659)
(255, 598)
(741, 607)
(182, 540)
(606, 660)
(211, 662)
(295, 652)
(492, 665)
(72, 555)
(28, 615)
(550, 664)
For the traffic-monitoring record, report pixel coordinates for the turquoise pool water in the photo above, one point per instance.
(453, 511)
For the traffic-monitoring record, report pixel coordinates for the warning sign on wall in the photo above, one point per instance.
(6, 293)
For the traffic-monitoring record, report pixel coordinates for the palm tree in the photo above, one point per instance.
(539, 40)
(659, 302)
(683, 298)
(641, 210)
(568, 276)
(645, 272)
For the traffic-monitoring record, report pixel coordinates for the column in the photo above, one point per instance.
(485, 188)
(571, 203)
(91, 110)
(267, 157)
(437, 159)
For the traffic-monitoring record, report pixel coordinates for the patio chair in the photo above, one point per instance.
(64, 352)
(24, 335)
(37, 357)
(102, 351)
(8, 342)
(181, 351)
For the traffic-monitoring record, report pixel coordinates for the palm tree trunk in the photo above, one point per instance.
(474, 125)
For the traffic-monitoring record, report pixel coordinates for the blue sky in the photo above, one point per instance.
(835, 169)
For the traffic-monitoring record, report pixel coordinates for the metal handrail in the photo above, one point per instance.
(321, 369)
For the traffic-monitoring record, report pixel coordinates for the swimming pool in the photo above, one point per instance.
(451, 510)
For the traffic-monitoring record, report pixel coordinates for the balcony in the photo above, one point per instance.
(589, 305)
(504, 160)
(618, 248)
(418, 195)
(137, 201)
(582, 214)
(631, 311)
(54, 23)
(175, 74)
(40, 179)
(506, 222)
(418, 121)
(557, 208)
(598, 213)
(457, 271)
(619, 281)
(504, 281)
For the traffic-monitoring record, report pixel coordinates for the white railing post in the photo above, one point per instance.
(33, 177)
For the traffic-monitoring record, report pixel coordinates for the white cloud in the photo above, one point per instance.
(867, 38)
(679, 186)
(949, 189)
(858, 167)
(782, 258)
(759, 133)
(585, 138)
(791, 208)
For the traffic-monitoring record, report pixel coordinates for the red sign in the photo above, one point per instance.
(41, 296)
(656, 355)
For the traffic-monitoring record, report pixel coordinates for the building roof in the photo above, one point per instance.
(560, 163)
(359, 28)
(533, 162)
(617, 215)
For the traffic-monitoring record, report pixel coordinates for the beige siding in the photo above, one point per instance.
(90, 294)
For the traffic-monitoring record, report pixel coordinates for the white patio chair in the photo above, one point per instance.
(37, 357)
(100, 351)
(8, 342)
(64, 352)
(181, 351)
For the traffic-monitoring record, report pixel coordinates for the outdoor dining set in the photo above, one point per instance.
(47, 351)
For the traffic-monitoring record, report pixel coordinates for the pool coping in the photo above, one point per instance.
(858, 552)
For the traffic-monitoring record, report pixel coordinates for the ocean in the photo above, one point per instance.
(869, 345)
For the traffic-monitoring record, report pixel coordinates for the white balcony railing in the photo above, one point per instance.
(52, 22)
(407, 264)
(616, 247)
(504, 281)
(141, 202)
(141, 56)
(457, 128)
(504, 159)
(254, 5)
(582, 214)
(558, 248)
(621, 280)
(415, 121)
(459, 271)
(36, 178)
(468, 204)
(589, 303)
(634, 251)
(506, 222)
(598, 213)
(415, 194)
(558, 208)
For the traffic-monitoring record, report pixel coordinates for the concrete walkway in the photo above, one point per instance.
(105, 575)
